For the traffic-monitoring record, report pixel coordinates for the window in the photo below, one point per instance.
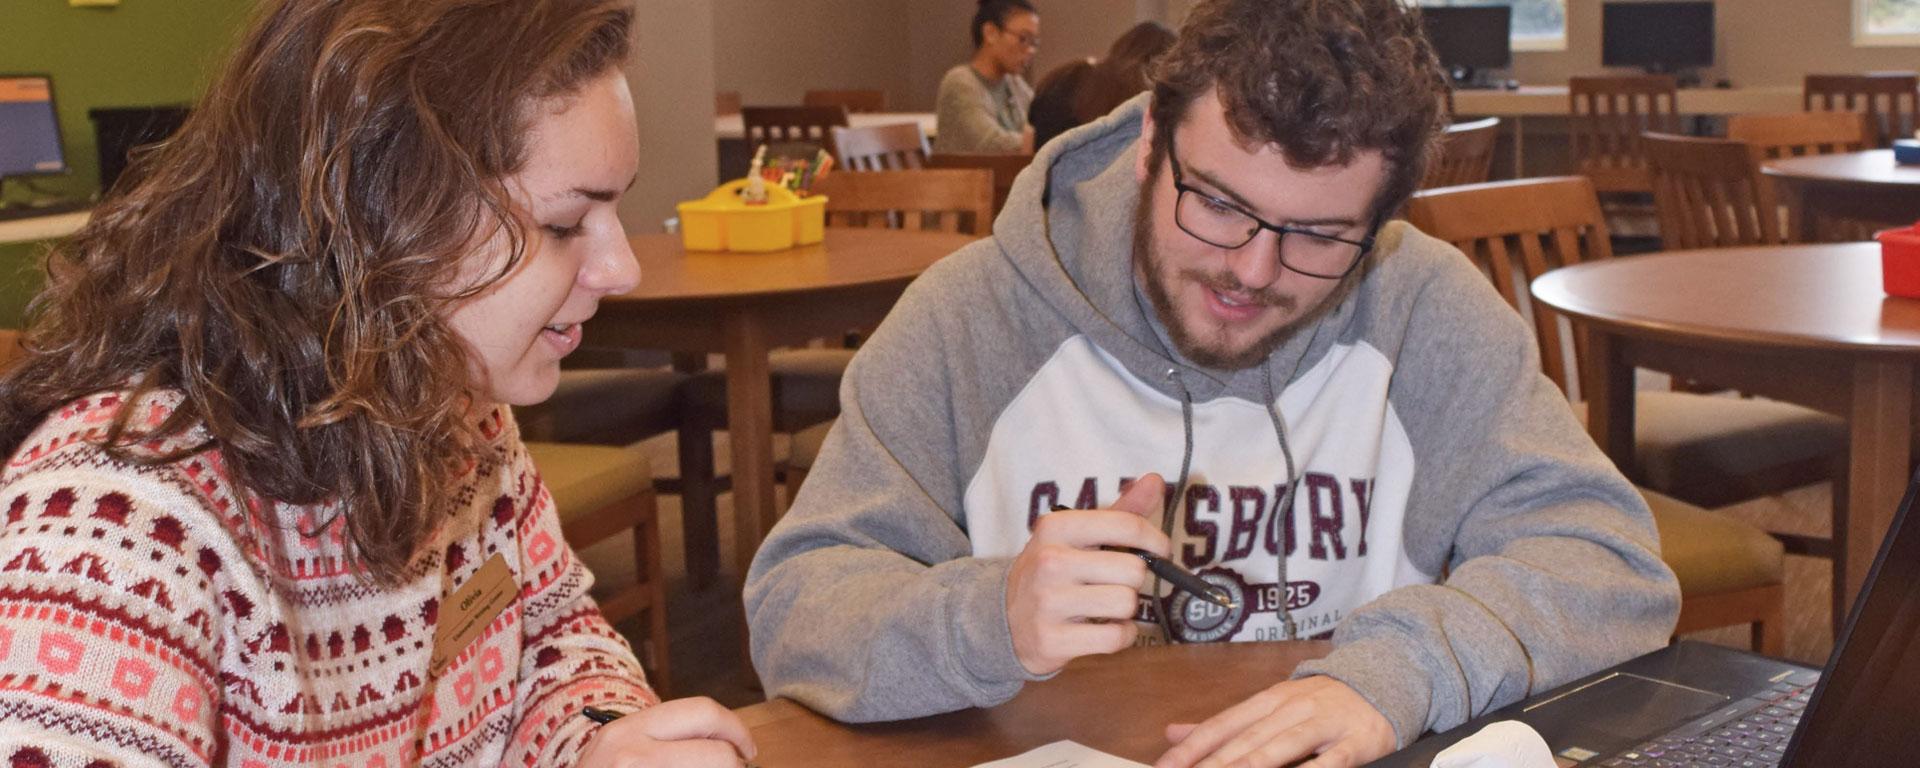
(1541, 25)
(1886, 22)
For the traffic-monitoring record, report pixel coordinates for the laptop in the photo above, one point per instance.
(1699, 704)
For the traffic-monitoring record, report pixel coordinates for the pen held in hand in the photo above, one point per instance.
(1172, 573)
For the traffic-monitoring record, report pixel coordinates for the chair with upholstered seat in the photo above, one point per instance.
(1464, 154)
(1704, 450)
(1005, 168)
(601, 492)
(855, 101)
(806, 382)
(1890, 100)
(896, 147)
(1709, 193)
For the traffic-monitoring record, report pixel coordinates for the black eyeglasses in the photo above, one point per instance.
(1222, 224)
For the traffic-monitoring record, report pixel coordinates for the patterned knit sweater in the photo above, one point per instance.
(145, 619)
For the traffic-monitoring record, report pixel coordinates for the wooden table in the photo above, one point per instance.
(1120, 704)
(1807, 324)
(1867, 187)
(744, 304)
(1514, 106)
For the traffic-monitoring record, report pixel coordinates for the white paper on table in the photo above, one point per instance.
(1063, 754)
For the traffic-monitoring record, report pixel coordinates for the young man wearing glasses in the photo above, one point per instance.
(1194, 330)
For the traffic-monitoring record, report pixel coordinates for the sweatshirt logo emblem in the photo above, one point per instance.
(1201, 621)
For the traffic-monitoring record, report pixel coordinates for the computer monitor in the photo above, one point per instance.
(1662, 37)
(29, 127)
(1470, 39)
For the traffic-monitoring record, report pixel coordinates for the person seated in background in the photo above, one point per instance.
(266, 504)
(982, 104)
(1078, 92)
(1206, 287)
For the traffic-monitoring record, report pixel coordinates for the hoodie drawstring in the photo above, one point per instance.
(1283, 508)
(1171, 505)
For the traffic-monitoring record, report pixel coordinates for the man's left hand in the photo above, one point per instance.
(1317, 717)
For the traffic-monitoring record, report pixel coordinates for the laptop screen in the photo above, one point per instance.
(29, 127)
(1862, 713)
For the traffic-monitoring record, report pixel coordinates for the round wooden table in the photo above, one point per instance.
(744, 304)
(1807, 324)
(1865, 187)
(1118, 703)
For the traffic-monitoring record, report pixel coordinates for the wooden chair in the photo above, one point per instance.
(1608, 115)
(9, 347)
(870, 100)
(1464, 155)
(1709, 193)
(944, 200)
(1005, 169)
(1890, 100)
(1703, 451)
(1798, 134)
(601, 492)
(726, 103)
(812, 125)
(897, 147)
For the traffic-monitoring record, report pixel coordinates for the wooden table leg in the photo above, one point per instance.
(1607, 384)
(750, 427)
(1880, 423)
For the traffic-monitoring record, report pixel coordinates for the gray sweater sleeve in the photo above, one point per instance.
(1554, 568)
(964, 117)
(865, 603)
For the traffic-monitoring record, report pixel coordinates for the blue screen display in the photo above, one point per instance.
(29, 128)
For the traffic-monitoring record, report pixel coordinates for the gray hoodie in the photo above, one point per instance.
(1453, 528)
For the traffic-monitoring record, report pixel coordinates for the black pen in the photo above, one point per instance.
(1174, 574)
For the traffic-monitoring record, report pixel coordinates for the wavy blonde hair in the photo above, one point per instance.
(286, 261)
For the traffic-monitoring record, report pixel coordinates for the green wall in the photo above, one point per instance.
(138, 53)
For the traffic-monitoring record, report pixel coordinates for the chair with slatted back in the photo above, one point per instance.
(806, 382)
(811, 125)
(1798, 134)
(726, 103)
(1005, 169)
(1464, 155)
(1608, 115)
(1692, 450)
(897, 147)
(1709, 193)
(1891, 100)
(867, 100)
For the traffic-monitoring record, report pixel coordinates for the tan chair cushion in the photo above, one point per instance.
(806, 445)
(587, 478)
(1711, 552)
(613, 406)
(806, 388)
(1717, 450)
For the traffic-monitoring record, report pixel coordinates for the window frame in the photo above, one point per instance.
(1865, 38)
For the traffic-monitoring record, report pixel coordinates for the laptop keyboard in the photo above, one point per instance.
(1749, 733)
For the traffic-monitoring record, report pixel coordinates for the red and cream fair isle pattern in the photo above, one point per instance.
(147, 619)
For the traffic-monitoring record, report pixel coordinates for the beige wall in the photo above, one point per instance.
(1758, 42)
(772, 51)
(671, 75)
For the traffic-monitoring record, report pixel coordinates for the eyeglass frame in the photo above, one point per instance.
(1281, 231)
(1025, 39)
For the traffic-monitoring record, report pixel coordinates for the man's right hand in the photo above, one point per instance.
(1065, 596)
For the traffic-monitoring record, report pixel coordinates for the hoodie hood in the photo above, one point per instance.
(1068, 230)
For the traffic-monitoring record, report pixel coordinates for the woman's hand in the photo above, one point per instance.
(695, 732)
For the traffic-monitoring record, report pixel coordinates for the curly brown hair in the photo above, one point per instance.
(285, 262)
(1319, 78)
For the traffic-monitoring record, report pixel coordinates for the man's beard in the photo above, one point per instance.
(1159, 286)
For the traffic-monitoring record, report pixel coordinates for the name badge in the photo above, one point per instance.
(468, 611)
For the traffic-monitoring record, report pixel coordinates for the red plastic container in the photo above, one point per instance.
(1900, 261)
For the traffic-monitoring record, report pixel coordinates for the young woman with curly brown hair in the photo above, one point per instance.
(262, 462)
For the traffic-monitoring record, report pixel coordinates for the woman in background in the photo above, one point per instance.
(982, 106)
(263, 468)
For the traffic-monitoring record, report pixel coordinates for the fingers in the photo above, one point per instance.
(1063, 566)
(1090, 528)
(702, 753)
(1078, 604)
(1202, 740)
(1281, 739)
(1066, 642)
(1145, 497)
(1176, 732)
(692, 719)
